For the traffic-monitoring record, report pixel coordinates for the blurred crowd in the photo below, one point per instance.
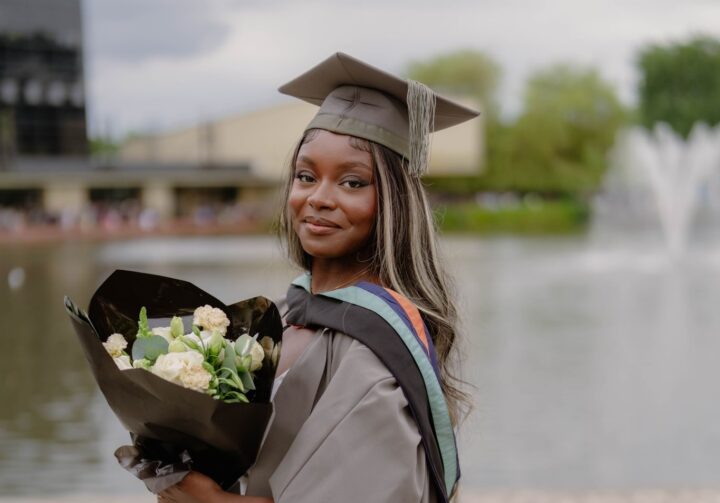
(125, 215)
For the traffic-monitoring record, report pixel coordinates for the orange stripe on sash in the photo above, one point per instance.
(414, 315)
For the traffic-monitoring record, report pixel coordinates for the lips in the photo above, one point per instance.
(320, 222)
(320, 226)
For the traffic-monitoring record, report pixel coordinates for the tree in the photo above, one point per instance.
(465, 72)
(680, 83)
(560, 141)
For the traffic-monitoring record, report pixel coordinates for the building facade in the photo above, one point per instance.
(264, 140)
(42, 91)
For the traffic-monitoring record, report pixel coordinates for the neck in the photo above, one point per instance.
(333, 274)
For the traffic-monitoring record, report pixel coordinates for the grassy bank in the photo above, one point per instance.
(535, 217)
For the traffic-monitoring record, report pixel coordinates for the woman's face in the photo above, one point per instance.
(332, 200)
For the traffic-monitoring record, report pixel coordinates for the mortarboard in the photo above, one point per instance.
(358, 99)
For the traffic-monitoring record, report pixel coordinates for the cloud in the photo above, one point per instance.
(237, 53)
(138, 30)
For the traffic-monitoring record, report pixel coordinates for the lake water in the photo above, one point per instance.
(592, 368)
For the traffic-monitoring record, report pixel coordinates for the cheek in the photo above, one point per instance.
(295, 202)
(364, 214)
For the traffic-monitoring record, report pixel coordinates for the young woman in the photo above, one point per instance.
(367, 404)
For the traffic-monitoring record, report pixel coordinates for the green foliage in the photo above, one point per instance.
(149, 348)
(191, 343)
(143, 326)
(563, 216)
(103, 147)
(680, 83)
(560, 141)
(142, 363)
(465, 72)
(230, 383)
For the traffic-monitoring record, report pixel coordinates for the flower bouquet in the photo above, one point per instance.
(198, 400)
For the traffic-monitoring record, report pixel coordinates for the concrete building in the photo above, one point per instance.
(264, 139)
(42, 98)
(230, 166)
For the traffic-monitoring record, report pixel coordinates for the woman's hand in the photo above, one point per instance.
(194, 488)
(198, 488)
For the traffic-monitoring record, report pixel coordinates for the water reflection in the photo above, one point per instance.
(54, 424)
(590, 371)
(46, 419)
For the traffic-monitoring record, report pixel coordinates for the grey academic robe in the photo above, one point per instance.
(342, 431)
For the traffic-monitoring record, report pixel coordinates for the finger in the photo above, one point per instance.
(167, 496)
(176, 495)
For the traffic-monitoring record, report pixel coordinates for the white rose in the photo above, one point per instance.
(211, 318)
(257, 353)
(163, 332)
(123, 362)
(171, 366)
(184, 369)
(115, 345)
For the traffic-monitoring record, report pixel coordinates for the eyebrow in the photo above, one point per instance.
(347, 165)
(356, 164)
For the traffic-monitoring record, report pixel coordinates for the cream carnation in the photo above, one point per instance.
(211, 318)
(196, 378)
(115, 345)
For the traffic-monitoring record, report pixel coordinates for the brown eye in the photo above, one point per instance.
(354, 184)
(304, 177)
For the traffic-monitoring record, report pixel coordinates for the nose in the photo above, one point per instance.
(322, 196)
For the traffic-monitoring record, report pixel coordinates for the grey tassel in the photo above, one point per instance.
(421, 114)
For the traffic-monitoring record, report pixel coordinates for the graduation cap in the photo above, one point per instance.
(358, 99)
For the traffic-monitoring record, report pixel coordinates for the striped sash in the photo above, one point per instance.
(391, 326)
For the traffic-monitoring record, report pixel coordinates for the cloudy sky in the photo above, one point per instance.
(160, 64)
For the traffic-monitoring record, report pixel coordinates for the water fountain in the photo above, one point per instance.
(660, 182)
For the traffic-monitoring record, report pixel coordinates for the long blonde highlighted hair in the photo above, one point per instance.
(405, 255)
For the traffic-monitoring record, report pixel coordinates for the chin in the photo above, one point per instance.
(324, 250)
(320, 252)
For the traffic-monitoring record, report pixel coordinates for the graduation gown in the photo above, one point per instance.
(348, 426)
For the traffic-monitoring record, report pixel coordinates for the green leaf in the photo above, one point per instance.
(236, 395)
(247, 380)
(229, 361)
(231, 378)
(232, 383)
(190, 343)
(149, 347)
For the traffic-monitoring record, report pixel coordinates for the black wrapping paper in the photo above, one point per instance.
(175, 429)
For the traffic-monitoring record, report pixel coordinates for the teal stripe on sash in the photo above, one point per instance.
(438, 407)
